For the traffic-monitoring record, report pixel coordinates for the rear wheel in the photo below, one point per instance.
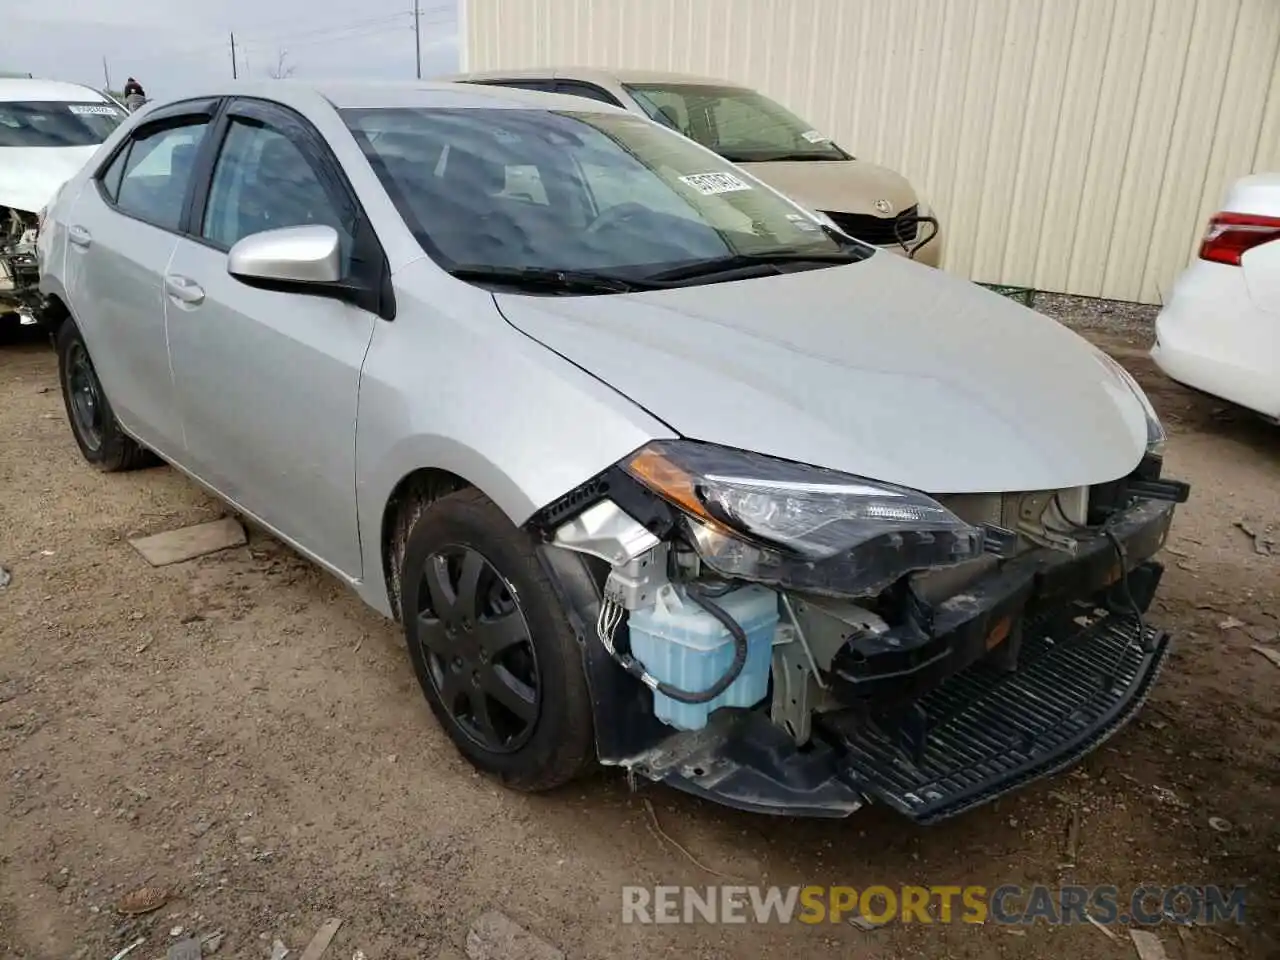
(492, 649)
(93, 423)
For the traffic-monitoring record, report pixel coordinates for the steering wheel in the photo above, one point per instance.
(617, 216)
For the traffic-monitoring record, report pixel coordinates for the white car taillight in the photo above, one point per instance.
(1231, 234)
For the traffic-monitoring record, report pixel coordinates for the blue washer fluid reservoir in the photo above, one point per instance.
(683, 645)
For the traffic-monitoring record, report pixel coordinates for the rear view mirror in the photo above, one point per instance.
(288, 258)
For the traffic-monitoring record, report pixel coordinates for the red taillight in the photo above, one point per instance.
(1231, 234)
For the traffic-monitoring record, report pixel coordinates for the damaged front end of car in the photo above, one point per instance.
(19, 264)
(789, 639)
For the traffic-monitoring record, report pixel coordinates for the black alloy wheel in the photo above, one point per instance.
(493, 649)
(476, 642)
(84, 396)
(97, 433)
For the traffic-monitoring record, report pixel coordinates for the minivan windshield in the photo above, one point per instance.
(56, 124)
(739, 124)
(579, 192)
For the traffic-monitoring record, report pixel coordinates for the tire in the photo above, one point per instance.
(93, 423)
(468, 655)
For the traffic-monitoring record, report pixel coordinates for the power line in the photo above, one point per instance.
(332, 29)
(353, 35)
(365, 28)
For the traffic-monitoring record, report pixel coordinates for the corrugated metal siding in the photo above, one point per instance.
(1070, 145)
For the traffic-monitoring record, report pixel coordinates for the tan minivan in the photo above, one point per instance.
(745, 127)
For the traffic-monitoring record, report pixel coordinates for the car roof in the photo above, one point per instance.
(599, 75)
(43, 91)
(315, 94)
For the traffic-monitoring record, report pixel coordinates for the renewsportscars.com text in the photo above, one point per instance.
(1146, 905)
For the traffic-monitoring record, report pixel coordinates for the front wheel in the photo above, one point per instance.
(491, 647)
(98, 434)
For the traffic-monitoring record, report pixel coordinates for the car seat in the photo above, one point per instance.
(468, 211)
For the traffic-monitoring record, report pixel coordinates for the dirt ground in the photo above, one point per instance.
(241, 730)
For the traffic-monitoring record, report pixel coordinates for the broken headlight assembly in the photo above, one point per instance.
(753, 517)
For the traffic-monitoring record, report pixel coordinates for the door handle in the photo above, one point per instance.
(183, 289)
(79, 236)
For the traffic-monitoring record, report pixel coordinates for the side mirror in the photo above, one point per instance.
(288, 258)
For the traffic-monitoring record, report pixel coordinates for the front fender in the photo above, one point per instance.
(450, 385)
(621, 706)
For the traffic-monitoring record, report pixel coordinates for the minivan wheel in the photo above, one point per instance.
(491, 646)
(93, 423)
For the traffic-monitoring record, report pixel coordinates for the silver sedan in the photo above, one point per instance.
(654, 466)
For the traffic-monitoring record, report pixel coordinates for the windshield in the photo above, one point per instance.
(54, 124)
(739, 124)
(573, 191)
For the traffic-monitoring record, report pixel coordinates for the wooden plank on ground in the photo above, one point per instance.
(187, 543)
(320, 942)
(1148, 945)
(495, 936)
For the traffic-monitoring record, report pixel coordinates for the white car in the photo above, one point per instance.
(48, 129)
(1220, 331)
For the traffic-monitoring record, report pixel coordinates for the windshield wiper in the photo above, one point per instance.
(791, 157)
(779, 157)
(754, 264)
(550, 278)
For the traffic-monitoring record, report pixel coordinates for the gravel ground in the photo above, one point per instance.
(239, 732)
(1114, 318)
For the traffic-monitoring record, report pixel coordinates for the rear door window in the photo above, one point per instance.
(157, 172)
(115, 170)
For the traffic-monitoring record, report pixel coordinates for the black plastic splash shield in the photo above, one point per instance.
(988, 732)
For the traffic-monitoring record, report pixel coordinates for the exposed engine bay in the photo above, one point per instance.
(19, 267)
(791, 642)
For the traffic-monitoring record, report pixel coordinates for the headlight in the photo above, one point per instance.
(758, 518)
(1156, 436)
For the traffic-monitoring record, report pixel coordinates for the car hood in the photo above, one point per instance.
(884, 369)
(843, 186)
(30, 176)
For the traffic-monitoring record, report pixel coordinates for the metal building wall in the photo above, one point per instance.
(1070, 145)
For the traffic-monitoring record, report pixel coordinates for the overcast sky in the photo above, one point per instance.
(170, 44)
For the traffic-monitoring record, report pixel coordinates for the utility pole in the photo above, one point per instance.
(234, 75)
(106, 74)
(417, 36)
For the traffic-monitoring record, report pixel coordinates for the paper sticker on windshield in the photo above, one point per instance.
(709, 184)
(802, 222)
(813, 136)
(93, 109)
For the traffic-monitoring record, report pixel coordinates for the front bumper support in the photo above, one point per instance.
(987, 732)
(911, 659)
